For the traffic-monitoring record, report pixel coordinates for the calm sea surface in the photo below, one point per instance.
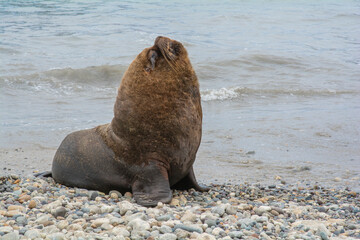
(280, 80)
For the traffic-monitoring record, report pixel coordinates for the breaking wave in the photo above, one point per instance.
(68, 80)
(240, 92)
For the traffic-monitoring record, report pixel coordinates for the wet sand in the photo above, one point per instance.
(27, 161)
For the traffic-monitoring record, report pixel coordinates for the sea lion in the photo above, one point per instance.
(151, 143)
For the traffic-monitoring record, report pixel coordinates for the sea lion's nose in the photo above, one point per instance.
(158, 39)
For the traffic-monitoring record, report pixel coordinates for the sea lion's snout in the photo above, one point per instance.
(169, 48)
(165, 48)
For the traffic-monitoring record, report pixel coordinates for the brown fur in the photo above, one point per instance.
(158, 113)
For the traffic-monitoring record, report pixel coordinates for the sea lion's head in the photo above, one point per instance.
(166, 50)
(166, 59)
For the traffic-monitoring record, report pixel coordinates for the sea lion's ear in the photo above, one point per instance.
(152, 56)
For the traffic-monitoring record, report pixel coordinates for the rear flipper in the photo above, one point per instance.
(189, 181)
(44, 174)
(152, 186)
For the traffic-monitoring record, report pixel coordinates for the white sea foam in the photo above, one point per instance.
(238, 92)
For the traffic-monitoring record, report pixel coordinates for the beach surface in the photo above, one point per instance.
(32, 208)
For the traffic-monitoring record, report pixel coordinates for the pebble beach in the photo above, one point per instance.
(39, 208)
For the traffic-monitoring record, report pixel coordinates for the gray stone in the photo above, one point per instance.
(163, 218)
(125, 206)
(180, 233)
(246, 221)
(352, 227)
(116, 221)
(262, 209)
(138, 224)
(189, 216)
(94, 209)
(143, 234)
(106, 226)
(323, 236)
(210, 222)
(231, 210)
(21, 220)
(10, 236)
(206, 236)
(32, 233)
(121, 231)
(60, 212)
(168, 236)
(106, 209)
(165, 229)
(216, 231)
(236, 234)
(155, 234)
(139, 215)
(23, 230)
(219, 209)
(115, 194)
(262, 219)
(85, 210)
(189, 228)
(263, 235)
(50, 229)
(99, 221)
(42, 219)
(93, 194)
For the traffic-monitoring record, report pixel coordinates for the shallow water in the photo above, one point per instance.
(280, 81)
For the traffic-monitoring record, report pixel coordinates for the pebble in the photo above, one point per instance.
(262, 209)
(93, 195)
(120, 231)
(168, 236)
(114, 194)
(100, 221)
(236, 234)
(165, 229)
(220, 210)
(60, 212)
(10, 236)
(32, 233)
(205, 236)
(189, 216)
(163, 218)
(210, 222)
(138, 224)
(125, 206)
(63, 224)
(189, 228)
(40, 209)
(32, 204)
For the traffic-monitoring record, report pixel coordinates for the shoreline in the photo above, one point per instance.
(27, 160)
(40, 208)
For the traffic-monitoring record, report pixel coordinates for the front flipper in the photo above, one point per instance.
(152, 185)
(189, 181)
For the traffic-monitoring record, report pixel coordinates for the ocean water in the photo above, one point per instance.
(280, 80)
